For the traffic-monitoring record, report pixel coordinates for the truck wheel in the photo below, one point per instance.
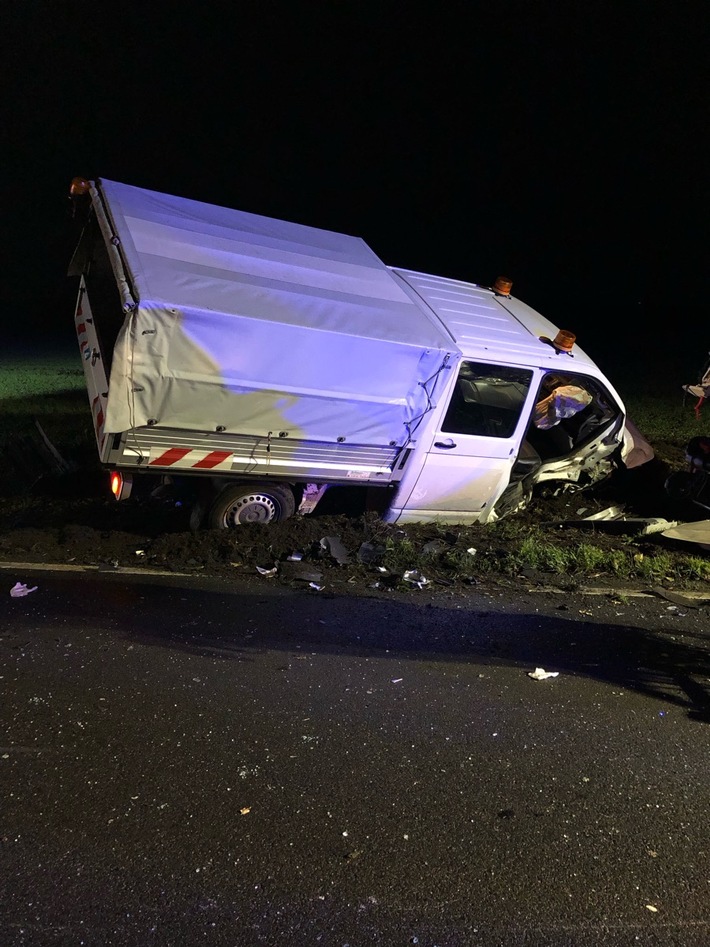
(251, 503)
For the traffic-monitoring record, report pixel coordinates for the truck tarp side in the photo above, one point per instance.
(251, 325)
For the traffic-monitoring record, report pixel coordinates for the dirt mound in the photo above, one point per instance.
(71, 519)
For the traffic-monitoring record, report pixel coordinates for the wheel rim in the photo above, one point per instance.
(252, 508)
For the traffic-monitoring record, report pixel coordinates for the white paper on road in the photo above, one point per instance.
(540, 674)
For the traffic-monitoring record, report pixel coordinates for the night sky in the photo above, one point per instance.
(563, 144)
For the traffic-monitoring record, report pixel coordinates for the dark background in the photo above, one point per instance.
(562, 144)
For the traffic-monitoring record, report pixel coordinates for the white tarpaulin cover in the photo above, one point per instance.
(258, 325)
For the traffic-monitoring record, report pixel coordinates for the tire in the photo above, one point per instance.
(242, 503)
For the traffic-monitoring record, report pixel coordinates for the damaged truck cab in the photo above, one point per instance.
(265, 361)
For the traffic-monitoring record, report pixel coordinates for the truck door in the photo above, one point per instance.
(469, 461)
(94, 370)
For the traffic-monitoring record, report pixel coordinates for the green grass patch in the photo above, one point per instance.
(50, 389)
(33, 382)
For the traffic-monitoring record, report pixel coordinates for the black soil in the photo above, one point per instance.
(71, 518)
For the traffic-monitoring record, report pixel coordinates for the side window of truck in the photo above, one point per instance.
(487, 400)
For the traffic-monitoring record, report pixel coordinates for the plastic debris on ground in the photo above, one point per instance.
(615, 519)
(434, 546)
(19, 589)
(698, 533)
(370, 552)
(334, 547)
(540, 674)
(299, 572)
(269, 573)
(415, 578)
(686, 601)
(610, 513)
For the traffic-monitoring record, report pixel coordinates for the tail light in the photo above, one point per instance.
(121, 485)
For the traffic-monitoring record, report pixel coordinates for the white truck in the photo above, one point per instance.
(262, 362)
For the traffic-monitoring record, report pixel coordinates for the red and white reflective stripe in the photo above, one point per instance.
(98, 413)
(194, 459)
(81, 333)
(81, 326)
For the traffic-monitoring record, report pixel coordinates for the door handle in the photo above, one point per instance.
(445, 445)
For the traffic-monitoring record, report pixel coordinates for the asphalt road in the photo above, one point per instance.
(252, 765)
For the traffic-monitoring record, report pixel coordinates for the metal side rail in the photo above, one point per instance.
(170, 449)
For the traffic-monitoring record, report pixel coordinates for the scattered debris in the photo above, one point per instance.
(610, 513)
(299, 572)
(415, 577)
(434, 546)
(334, 547)
(615, 519)
(698, 532)
(540, 674)
(652, 908)
(396, 680)
(369, 553)
(19, 589)
(245, 810)
(302, 550)
(686, 601)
